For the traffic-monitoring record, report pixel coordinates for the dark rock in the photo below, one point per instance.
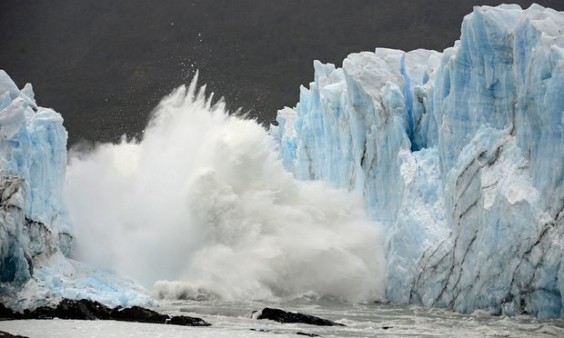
(282, 316)
(300, 333)
(139, 314)
(71, 309)
(90, 310)
(187, 321)
(43, 312)
(9, 335)
(6, 313)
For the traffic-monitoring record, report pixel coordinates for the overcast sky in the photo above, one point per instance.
(103, 64)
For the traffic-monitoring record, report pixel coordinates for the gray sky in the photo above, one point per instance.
(104, 64)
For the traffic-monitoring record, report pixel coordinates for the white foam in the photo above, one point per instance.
(203, 205)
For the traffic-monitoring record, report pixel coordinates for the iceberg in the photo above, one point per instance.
(36, 234)
(458, 154)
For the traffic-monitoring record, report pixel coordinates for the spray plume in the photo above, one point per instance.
(201, 206)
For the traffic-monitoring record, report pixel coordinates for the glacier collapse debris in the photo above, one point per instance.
(36, 235)
(201, 207)
(459, 154)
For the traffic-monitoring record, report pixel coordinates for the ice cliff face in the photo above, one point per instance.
(35, 232)
(33, 160)
(460, 155)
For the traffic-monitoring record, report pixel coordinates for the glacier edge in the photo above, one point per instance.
(459, 154)
(36, 233)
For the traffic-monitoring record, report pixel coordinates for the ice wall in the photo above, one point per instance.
(33, 160)
(460, 155)
(35, 233)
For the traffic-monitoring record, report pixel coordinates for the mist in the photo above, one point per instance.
(201, 207)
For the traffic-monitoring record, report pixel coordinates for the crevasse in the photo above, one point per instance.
(459, 154)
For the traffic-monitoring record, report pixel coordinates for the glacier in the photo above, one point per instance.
(458, 154)
(36, 232)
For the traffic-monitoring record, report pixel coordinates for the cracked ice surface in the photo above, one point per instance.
(460, 155)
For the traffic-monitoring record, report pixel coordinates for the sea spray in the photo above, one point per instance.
(202, 207)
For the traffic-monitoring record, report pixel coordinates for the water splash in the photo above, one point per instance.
(202, 207)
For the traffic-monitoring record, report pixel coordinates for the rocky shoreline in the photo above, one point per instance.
(91, 310)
